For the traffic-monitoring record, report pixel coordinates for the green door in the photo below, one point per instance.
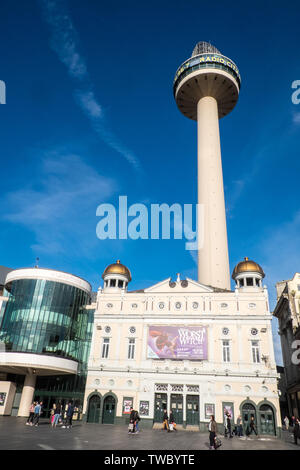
(248, 411)
(177, 407)
(192, 410)
(267, 425)
(161, 403)
(109, 410)
(94, 409)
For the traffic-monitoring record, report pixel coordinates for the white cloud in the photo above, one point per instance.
(296, 118)
(60, 207)
(89, 104)
(64, 41)
(280, 260)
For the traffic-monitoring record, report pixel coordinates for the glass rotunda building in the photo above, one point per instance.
(45, 335)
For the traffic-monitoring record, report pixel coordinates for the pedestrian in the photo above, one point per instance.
(137, 419)
(52, 413)
(165, 421)
(172, 422)
(57, 414)
(296, 430)
(131, 428)
(225, 425)
(287, 423)
(37, 413)
(293, 421)
(29, 421)
(252, 426)
(213, 429)
(229, 425)
(70, 412)
(239, 424)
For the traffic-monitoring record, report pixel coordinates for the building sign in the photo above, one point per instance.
(2, 398)
(209, 410)
(144, 408)
(127, 404)
(207, 59)
(177, 342)
(228, 410)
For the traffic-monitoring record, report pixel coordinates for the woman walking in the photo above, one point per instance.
(57, 414)
(287, 423)
(213, 429)
(31, 414)
(239, 425)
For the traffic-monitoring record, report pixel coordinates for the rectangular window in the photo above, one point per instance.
(255, 352)
(105, 348)
(131, 348)
(226, 351)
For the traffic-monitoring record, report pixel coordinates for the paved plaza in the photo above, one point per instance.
(14, 434)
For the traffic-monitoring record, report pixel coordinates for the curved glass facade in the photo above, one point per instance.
(46, 317)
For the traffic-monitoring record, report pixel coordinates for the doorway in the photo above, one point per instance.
(177, 407)
(192, 410)
(266, 419)
(109, 410)
(161, 404)
(94, 409)
(248, 411)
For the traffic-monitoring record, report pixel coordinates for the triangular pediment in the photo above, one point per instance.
(185, 285)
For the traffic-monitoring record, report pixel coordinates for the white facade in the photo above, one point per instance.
(238, 317)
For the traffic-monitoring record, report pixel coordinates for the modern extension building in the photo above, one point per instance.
(45, 336)
(287, 311)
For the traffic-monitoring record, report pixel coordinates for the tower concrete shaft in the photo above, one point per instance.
(213, 261)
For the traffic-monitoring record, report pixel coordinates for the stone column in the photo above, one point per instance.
(27, 394)
(213, 262)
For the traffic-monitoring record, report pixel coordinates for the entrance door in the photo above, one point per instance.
(94, 409)
(109, 410)
(161, 403)
(192, 409)
(266, 415)
(248, 411)
(177, 407)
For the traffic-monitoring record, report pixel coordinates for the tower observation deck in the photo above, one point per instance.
(206, 88)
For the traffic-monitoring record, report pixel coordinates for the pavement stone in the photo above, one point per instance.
(15, 435)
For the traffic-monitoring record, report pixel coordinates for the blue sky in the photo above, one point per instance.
(90, 115)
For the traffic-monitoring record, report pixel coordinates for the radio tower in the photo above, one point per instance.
(206, 88)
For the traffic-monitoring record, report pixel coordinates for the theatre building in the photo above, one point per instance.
(186, 347)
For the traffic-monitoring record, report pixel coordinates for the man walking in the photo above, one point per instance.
(131, 421)
(296, 430)
(70, 412)
(37, 413)
(137, 419)
(252, 426)
(213, 429)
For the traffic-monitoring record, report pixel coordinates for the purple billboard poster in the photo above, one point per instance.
(177, 342)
